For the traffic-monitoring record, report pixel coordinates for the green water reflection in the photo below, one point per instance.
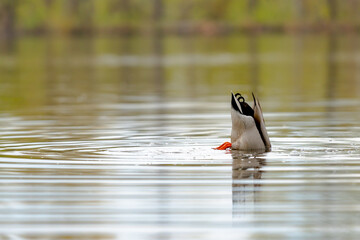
(39, 72)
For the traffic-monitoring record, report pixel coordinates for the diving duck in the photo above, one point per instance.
(248, 126)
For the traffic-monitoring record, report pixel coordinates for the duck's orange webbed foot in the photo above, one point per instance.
(223, 146)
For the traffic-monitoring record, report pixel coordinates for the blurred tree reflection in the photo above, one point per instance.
(125, 16)
(331, 66)
(7, 23)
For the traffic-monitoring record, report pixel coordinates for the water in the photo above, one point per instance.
(109, 138)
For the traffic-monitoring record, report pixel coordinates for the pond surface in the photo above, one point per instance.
(111, 138)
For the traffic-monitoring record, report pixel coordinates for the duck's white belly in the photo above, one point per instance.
(249, 140)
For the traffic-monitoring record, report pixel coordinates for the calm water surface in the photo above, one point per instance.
(112, 138)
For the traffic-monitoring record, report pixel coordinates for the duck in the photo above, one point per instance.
(248, 131)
